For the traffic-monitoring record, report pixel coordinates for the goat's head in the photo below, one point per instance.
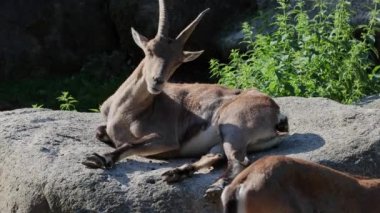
(164, 55)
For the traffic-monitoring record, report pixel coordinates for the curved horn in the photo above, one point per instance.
(185, 34)
(163, 21)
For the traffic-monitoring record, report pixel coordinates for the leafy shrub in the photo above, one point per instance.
(307, 55)
(67, 101)
(37, 106)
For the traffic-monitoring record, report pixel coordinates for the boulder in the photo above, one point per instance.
(370, 102)
(44, 37)
(263, 16)
(345, 137)
(41, 151)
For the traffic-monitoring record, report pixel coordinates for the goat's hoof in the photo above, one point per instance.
(178, 174)
(213, 193)
(96, 161)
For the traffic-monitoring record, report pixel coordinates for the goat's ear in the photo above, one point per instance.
(191, 56)
(139, 39)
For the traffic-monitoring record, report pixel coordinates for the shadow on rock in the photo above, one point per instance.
(361, 165)
(150, 169)
(294, 144)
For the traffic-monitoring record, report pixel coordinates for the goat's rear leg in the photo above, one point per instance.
(177, 174)
(234, 167)
(235, 149)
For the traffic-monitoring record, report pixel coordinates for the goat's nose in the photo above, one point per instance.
(158, 80)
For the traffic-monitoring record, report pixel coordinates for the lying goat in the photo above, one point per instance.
(147, 116)
(286, 185)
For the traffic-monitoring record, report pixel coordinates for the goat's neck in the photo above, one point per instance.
(133, 94)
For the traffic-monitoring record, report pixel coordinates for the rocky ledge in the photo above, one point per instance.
(41, 151)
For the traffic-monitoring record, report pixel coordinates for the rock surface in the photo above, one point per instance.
(370, 102)
(42, 37)
(231, 36)
(48, 37)
(41, 151)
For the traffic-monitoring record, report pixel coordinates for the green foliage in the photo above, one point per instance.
(88, 90)
(307, 55)
(95, 109)
(37, 106)
(91, 88)
(67, 102)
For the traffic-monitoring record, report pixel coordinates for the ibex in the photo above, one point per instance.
(147, 116)
(286, 185)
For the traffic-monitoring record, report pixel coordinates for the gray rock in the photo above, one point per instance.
(49, 37)
(344, 137)
(41, 151)
(40, 170)
(41, 37)
(262, 18)
(370, 102)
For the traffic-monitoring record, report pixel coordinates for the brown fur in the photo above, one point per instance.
(283, 184)
(148, 116)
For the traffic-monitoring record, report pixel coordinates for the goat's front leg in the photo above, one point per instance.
(101, 131)
(148, 145)
(177, 174)
(101, 135)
